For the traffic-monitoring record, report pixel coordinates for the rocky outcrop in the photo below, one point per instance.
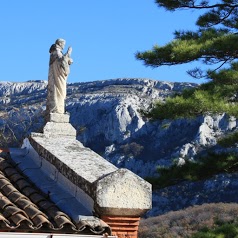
(107, 116)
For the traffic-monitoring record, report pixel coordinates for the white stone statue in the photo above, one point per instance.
(57, 77)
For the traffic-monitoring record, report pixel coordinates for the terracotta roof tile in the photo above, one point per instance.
(3, 219)
(10, 172)
(23, 203)
(45, 205)
(28, 191)
(25, 207)
(16, 177)
(8, 189)
(4, 182)
(4, 202)
(40, 221)
(12, 210)
(18, 220)
(21, 183)
(4, 164)
(15, 196)
(36, 198)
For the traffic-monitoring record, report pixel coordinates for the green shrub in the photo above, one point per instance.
(226, 230)
(187, 222)
(132, 149)
(229, 140)
(203, 168)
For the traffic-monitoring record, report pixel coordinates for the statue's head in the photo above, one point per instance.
(60, 42)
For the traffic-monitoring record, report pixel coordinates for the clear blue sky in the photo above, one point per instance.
(105, 35)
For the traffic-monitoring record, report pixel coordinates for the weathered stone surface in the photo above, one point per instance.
(114, 191)
(122, 193)
(60, 118)
(57, 77)
(58, 125)
(50, 181)
(55, 129)
(80, 165)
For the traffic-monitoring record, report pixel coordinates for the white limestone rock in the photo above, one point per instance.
(29, 87)
(107, 114)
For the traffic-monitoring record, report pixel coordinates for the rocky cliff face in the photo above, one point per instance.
(107, 116)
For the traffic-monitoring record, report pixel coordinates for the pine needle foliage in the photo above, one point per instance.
(229, 140)
(205, 167)
(216, 96)
(210, 98)
(214, 43)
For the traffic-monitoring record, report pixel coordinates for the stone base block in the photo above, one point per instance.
(55, 129)
(60, 118)
(58, 125)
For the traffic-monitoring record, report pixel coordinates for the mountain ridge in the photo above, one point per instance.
(108, 119)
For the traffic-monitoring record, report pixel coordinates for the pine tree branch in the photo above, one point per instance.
(214, 43)
(210, 6)
(221, 19)
(199, 6)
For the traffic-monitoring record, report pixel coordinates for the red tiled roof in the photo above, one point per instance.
(23, 207)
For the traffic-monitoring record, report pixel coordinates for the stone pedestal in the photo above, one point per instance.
(58, 125)
(60, 118)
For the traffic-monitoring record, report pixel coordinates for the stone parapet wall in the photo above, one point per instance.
(119, 196)
(117, 192)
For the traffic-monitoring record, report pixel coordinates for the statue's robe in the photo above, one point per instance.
(57, 76)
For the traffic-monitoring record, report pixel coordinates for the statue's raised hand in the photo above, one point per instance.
(69, 51)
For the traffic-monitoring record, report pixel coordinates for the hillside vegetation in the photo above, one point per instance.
(206, 219)
(203, 168)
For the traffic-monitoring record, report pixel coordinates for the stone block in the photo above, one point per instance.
(79, 164)
(55, 129)
(60, 118)
(122, 193)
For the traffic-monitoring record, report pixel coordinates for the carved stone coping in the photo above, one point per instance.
(116, 192)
